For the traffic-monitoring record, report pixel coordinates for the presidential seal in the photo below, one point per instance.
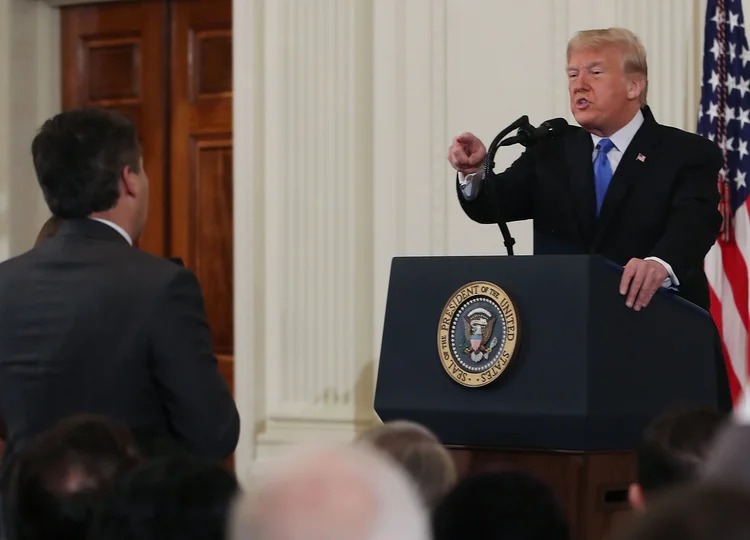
(478, 334)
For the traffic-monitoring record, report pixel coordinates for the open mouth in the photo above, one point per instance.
(582, 103)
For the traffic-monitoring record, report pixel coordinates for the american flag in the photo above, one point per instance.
(724, 117)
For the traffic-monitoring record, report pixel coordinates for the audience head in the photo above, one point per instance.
(419, 452)
(337, 493)
(88, 163)
(500, 505)
(169, 498)
(48, 230)
(727, 462)
(607, 78)
(674, 448)
(58, 480)
(697, 512)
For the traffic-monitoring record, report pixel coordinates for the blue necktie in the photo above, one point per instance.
(602, 171)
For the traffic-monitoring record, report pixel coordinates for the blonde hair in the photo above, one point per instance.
(633, 51)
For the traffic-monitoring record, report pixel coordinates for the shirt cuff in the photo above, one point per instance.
(671, 282)
(470, 184)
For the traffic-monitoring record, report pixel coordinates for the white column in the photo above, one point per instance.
(250, 390)
(411, 174)
(29, 94)
(303, 196)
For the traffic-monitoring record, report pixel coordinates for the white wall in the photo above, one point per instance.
(29, 93)
(344, 112)
(303, 214)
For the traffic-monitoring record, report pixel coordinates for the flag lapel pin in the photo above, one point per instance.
(641, 158)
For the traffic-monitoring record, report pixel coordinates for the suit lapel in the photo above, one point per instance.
(630, 169)
(578, 152)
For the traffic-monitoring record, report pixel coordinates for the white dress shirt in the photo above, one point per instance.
(116, 227)
(471, 183)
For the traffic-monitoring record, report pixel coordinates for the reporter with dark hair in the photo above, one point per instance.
(674, 448)
(702, 511)
(170, 498)
(92, 324)
(58, 481)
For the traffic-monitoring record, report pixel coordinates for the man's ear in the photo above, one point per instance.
(635, 86)
(129, 181)
(635, 497)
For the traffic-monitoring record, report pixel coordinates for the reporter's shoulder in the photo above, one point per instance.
(16, 262)
(162, 268)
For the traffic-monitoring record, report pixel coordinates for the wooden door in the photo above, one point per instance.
(201, 158)
(113, 55)
(168, 63)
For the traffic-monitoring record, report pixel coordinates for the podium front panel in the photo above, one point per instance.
(587, 374)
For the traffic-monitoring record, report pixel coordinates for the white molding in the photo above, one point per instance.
(248, 188)
(29, 94)
(410, 138)
(438, 129)
(312, 282)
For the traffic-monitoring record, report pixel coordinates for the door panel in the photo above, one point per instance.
(113, 56)
(201, 157)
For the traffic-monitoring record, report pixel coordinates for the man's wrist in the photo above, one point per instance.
(671, 280)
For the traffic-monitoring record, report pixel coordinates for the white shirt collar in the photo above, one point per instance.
(624, 136)
(116, 227)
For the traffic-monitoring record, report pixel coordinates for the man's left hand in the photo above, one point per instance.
(640, 281)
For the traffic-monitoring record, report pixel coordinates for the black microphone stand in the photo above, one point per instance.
(489, 164)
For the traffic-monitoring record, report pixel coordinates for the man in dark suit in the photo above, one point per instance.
(622, 186)
(94, 325)
(672, 452)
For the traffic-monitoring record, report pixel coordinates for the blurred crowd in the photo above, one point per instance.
(89, 477)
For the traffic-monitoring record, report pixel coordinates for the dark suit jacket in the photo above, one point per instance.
(665, 206)
(90, 324)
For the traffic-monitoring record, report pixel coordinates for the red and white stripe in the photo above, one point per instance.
(727, 271)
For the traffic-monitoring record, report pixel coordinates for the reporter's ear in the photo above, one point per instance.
(635, 497)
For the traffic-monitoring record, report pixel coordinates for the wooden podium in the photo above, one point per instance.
(586, 375)
(592, 487)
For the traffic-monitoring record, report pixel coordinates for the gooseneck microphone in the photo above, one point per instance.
(527, 135)
(489, 160)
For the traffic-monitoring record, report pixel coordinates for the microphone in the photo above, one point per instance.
(528, 134)
(489, 165)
